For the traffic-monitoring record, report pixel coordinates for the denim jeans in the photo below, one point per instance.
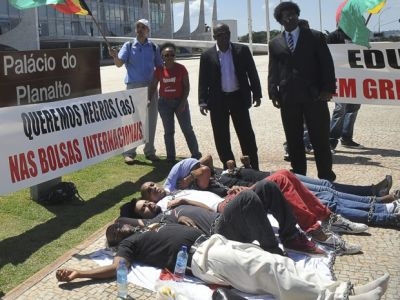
(342, 122)
(359, 190)
(356, 208)
(167, 109)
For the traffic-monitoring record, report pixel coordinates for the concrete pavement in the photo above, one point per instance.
(377, 128)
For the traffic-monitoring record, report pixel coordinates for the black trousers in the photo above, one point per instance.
(245, 220)
(275, 203)
(317, 118)
(233, 106)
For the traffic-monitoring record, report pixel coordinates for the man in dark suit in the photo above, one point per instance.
(227, 79)
(301, 80)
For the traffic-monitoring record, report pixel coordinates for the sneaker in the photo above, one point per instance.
(302, 244)
(396, 204)
(337, 244)
(129, 159)
(339, 224)
(351, 144)
(152, 157)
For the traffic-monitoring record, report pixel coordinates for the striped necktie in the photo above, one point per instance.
(290, 42)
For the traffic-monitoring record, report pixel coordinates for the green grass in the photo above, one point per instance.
(33, 236)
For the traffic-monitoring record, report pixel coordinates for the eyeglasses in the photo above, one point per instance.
(169, 55)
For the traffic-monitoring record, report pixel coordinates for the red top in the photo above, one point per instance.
(171, 80)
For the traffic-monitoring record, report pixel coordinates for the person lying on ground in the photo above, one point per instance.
(217, 260)
(266, 192)
(269, 194)
(362, 209)
(183, 168)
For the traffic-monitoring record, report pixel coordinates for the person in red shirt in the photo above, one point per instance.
(173, 93)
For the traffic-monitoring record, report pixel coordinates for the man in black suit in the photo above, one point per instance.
(227, 78)
(301, 80)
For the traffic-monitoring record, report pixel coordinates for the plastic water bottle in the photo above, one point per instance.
(122, 280)
(181, 262)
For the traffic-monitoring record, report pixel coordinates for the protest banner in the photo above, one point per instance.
(46, 140)
(367, 76)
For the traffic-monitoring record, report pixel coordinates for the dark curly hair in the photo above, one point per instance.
(167, 45)
(285, 6)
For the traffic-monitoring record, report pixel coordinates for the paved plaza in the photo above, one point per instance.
(377, 128)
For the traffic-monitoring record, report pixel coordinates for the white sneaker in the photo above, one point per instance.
(396, 208)
(340, 246)
(340, 224)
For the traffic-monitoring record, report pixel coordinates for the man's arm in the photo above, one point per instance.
(254, 79)
(184, 201)
(114, 54)
(109, 271)
(273, 78)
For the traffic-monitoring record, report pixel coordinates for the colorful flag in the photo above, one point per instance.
(22, 4)
(352, 21)
(77, 7)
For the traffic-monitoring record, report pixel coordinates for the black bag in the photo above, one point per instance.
(225, 294)
(62, 192)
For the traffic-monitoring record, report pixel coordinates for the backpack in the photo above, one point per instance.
(62, 192)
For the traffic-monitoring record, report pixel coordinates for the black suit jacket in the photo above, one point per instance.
(210, 76)
(302, 75)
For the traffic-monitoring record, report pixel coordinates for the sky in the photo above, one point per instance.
(387, 19)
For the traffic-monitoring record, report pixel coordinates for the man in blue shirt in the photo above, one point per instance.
(140, 58)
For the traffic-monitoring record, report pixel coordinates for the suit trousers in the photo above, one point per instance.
(232, 105)
(317, 118)
(250, 269)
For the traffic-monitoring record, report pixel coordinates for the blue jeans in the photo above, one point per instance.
(342, 122)
(359, 190)
(167, 109)
(355, 208)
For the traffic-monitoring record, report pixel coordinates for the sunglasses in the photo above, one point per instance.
(169, 55)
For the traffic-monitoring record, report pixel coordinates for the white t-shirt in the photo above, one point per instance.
(210, 199)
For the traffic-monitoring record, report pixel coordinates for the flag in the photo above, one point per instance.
(22, 4)
(77, 7)
(352, 21)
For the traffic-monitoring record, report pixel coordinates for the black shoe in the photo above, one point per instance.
(351, 144)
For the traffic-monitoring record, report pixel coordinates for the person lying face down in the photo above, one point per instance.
(217, 260)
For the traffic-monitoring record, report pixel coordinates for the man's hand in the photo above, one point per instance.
(186, 221)
(325, 96)
(112, 52)
(276, 102)
(256, 102)
(185, 182)
(66, 275)
(203, 109)
(236, 189)
(176, 202)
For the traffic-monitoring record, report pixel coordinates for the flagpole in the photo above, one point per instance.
(101, 31)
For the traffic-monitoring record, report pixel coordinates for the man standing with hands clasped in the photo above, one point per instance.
(301, 80)
(140, 58)
(227, 78)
